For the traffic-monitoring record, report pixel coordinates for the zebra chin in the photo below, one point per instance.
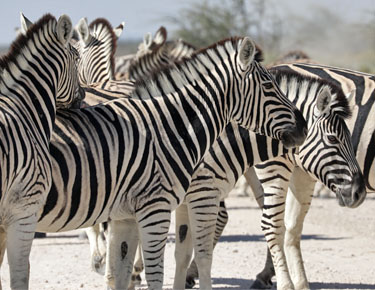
(354, 195)
(294, 136)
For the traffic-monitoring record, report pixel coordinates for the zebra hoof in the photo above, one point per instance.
(40, 235)
(259, 284)
(190, 283)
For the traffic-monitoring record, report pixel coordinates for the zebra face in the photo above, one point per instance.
(69, 93)
(328, 155)
(272, 113)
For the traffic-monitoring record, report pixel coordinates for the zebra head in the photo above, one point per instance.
(152, 54)
(69, 94)
(328, 153)
(96, 46)
(269, 111)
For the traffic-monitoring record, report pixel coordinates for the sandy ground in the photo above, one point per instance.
(338, 246)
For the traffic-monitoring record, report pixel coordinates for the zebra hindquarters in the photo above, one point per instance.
(275, 175)
(121, 247)
(297, 205)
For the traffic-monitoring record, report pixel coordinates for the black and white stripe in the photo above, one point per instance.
(144, 152)
(229, 159)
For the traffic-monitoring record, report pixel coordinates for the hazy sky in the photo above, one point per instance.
(143, 16)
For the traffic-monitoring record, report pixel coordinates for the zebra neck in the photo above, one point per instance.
(303, 93)
(28, 91)
(189, 121)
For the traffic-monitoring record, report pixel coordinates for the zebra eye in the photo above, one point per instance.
(332, 139)
(268, 85)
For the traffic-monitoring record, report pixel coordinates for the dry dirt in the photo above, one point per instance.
(338, 248)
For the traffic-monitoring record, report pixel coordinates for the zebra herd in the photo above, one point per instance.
(170, 128)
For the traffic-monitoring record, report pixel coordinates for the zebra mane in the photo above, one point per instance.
(102, 21)
(339, 106)
(21, 42)
(258, 54)
(179, 73)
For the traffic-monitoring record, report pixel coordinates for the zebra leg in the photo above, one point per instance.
(137, 270)
(184, 246)
(19, 238)
(121, 246)
(264, 278)
(297, 204)
(97, 249)
(203, 217)
(255, 185)
(3, 237)
(222, 220)
(154, 226)
(275, 176)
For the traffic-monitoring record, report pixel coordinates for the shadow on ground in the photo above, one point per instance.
(318, 285)
(260, 238)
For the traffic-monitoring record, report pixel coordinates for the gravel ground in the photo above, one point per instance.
(338, 247)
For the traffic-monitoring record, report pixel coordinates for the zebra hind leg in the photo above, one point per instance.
(19, 238)
(121, 246)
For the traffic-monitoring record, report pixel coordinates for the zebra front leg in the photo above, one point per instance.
(221, 222)
(138, 268)
(297, 204)
(203, 214)
(153, 226)
(3, 240)
(19, 238)
(184, 246)
(275, 176)
(264, 278)
(97, 249)
(121, 246)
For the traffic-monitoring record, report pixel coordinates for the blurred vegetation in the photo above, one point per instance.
(321, 33)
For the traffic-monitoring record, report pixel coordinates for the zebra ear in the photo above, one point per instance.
(246, 52)
(160, 36)
(118, 30)
(147, 39)
(323, 101)
(25, 23)
(64, 29)
(83, 30)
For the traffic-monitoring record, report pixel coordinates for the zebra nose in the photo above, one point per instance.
(358, 190)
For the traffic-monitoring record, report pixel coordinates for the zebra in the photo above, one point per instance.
(38, 75)
(362, 131)
(164, 137)
(96, 40)
(176, 230)
(152, 54)
(301, 185)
